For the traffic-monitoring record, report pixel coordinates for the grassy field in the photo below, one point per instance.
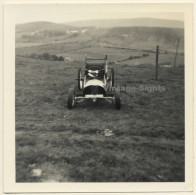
(147, 141)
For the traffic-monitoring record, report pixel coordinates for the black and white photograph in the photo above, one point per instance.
(99, 93)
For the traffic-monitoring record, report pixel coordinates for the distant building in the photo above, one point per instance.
(74, 31)
(84, 30)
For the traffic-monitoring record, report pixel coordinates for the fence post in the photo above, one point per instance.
(176, 52)
(157, 63)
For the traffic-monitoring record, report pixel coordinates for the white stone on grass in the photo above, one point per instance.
(36, 172)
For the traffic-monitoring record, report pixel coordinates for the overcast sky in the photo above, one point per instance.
(75, 12)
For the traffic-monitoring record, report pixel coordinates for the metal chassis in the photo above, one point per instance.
(79, 99)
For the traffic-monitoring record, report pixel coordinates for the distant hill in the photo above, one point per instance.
(106, 23)
(145, 36)
(147, 22)
(166, 35)
(41, 26)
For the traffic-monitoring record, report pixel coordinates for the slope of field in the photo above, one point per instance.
(147, 141)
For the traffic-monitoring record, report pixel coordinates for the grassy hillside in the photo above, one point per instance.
(147, 139)
(147, 142)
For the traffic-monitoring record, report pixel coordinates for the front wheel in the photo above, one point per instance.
(117, 101)
(112, 75)
(71, 98)
(80, 81)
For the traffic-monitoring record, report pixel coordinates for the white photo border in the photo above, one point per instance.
(10, 186)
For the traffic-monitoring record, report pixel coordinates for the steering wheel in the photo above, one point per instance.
(95, 72)
(96, 68)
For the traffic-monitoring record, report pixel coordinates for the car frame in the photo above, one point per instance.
(93, 84)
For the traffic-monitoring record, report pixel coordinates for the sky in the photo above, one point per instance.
(62, 13)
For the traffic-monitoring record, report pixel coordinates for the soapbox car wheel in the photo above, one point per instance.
(71, 98)
(112, 76)
(80, 80)
(117, 102)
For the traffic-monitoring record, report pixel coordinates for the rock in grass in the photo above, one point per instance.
(105, 132)
(36, 172)
(32, 165)
(108, 132)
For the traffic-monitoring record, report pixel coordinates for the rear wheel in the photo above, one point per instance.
(71, 98)
(112, 76)
(80, 81)
(117, 102)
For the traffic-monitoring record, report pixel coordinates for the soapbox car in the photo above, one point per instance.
(95, 83)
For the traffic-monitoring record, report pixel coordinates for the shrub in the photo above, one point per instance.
(41, 57)
(145, 54)
(137, 57)
(47, 56)
(54, 57)
(61, 58)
